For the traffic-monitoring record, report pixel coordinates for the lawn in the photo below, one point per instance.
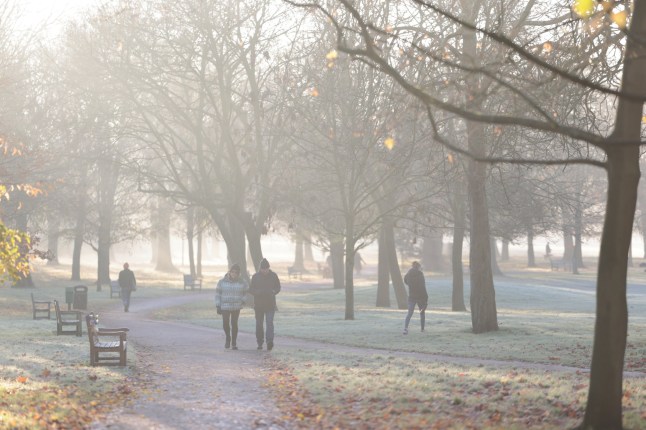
(46, 381)
(545, 318)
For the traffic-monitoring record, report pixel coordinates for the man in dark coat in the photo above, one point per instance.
(264, 287)
(417, 294)
(128, 284)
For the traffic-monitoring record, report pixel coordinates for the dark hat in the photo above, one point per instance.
(235, 268)
(264, 264)
(416, 264)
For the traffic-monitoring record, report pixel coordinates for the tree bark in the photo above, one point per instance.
(495, 269)
(109, 172)
(190, 235)
(459, 227)
(53, 234)
(504, 253)
(164, 261)
(299, 263)
(393, 265)
(349, 274)
(484, 316)
(200, 253)
(531, 258)
(577, 256)
(336, 254)
(79, 228)
(383, 273)
(603, 408)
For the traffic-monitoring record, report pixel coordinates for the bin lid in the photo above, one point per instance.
(80, 288)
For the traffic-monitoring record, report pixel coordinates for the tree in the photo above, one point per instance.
(531, 67)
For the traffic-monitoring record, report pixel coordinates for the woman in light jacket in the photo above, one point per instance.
(229, 299)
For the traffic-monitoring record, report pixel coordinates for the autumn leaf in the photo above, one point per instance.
(619, 18)
(332, 55)
(22, 379)
(389, 143)
(314, 92)
(584, 8)
(547, 47)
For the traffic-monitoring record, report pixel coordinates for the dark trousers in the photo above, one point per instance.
(261, 316)
(411, 308)
(125, 297)
(230, 323)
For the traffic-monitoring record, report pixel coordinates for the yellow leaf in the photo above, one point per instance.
(644, 119)
(450, 158)
(389, 143)
(584, 8)
(332, 55)
(547, 47)
(314, 92)
(619, 18)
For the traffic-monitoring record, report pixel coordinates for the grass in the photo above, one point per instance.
(545, 317)
(46, 381)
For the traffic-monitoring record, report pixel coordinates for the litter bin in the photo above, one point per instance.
(69, 297)
(80, 297)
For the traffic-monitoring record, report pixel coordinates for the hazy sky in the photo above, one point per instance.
(51, 13)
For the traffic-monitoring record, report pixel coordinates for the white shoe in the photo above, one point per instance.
(405, 331)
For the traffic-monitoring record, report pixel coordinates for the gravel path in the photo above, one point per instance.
(194, 383)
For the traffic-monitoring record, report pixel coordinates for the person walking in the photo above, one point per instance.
(264, 287)
(128, 284)
(229, 299)
(417, 295)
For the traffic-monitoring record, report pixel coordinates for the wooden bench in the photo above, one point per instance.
(115, 289)
(67, 319)
(293, 272)
(192, 283)
(42, 308)
(105, 348)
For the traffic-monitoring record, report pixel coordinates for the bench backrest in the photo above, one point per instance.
(188, 280)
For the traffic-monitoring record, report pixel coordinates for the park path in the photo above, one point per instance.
(194, 383)
(191, 381)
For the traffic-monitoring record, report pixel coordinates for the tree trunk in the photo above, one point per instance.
(190, 235)
(164, 262)
(79, 228)
(109, 172)
(253, 234)
(299, 263)
(349, 273)
(484, 316)
(577, 256)
(307, 245)
(200, 253)
(393, 265)
(53, 234)
(495, 269)
(603, 409)
(531, 259)
(383, 273)
(504, 254)
(459, 227)
(568, 244)
(336, 254)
